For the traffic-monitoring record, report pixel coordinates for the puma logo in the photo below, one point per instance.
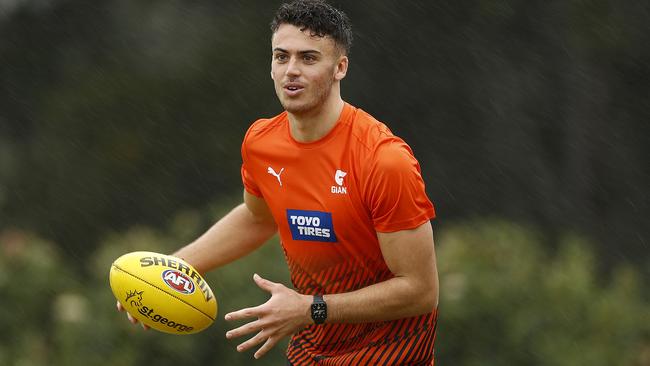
(277, 175)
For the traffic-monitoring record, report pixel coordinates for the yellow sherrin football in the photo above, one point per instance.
(163, 292)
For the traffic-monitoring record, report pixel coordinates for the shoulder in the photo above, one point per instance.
(383, 148)
(265, 126)
(368, 131)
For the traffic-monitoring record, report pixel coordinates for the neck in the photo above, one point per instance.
(314, 125)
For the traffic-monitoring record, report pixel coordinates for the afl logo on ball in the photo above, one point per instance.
(178, 281)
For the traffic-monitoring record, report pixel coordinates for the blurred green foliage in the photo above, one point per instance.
(504, 301)
(54, 316)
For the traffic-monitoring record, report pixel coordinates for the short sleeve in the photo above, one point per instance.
(394, 190)
(247, 178)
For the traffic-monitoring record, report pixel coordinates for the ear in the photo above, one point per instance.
(341, 68)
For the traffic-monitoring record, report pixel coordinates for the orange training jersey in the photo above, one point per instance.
(329, 198)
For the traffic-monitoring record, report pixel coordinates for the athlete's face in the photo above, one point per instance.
(305, 69)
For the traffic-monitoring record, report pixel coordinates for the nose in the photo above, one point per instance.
(293, 69)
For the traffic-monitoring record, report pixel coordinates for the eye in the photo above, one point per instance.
(309, 58)
(280, 57)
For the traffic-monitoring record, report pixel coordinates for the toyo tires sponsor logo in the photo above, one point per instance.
(178, 281)
(311, 225)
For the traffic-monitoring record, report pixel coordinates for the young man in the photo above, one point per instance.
(349, 203)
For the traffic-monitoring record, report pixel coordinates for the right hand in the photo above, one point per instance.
(130, 317)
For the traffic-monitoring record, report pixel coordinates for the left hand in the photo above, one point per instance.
(282, 315)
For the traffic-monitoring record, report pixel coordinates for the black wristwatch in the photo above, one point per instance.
(319, 309)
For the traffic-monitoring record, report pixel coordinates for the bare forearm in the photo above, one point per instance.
(410, 255)
(235, 235)
(395, 298)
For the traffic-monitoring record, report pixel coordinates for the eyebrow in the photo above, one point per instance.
(278, 49)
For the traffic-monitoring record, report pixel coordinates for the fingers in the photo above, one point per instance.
(268, 324)
(264, 284)
(256, 311)
(128, 315)
(120, 307)
(244, 314)
(131, 318)
(244, 329)
(257, 339)
(270, 342)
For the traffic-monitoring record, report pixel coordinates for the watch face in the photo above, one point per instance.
(319, 311)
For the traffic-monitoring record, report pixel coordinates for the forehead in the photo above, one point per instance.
(290, 38)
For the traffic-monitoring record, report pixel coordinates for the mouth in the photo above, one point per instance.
(292, 89)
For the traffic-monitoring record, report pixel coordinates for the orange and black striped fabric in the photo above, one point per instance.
(401, 342)
(329, 199)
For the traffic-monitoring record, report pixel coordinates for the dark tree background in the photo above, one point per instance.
(115, 112)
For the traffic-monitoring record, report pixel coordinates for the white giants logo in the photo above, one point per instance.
(338, 178)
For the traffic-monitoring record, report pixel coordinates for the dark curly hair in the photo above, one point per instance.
(319, 17)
